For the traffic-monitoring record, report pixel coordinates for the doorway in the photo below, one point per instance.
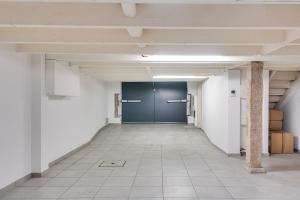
(154, 102)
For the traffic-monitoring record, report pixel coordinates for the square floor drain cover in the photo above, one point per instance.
(118, 163)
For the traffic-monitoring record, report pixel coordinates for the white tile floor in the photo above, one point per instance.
(170, 162)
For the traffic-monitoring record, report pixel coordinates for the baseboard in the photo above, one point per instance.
(20, 181)
(39, 175)
(233, 154)
(238, 154)
(11, 186)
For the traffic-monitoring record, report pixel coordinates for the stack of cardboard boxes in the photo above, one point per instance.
(281, 142)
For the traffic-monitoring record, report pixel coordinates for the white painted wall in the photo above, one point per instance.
(244, 89)
(38, 144)
(36, 129)
(291, 109)
(192, 88)
(113, 88)
(234, 111)
(215, 110)
(265, 128)
(15, 115)
(72, 121)
(198, 106)
(221, 110)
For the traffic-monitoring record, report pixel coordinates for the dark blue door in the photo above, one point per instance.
(154, 102)
(137, 102)
(170, 102)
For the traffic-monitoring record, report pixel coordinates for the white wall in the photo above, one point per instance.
(72, 121)
(198, 106)
(112, 89)
(15, 112)
(244, 89)
(192, 88)
(215, 111)
(291, 109)
(36, 129)
(265, 112)
(67, 122)
(234, 111)
(221, 110)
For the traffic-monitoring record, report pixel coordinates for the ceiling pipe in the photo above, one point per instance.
(129, 9)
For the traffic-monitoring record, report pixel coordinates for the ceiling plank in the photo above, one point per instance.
(287, 50)
(165, 16)
(272, 62)
(168, 1)
(132, 49)
(291, 36)
(150, 36)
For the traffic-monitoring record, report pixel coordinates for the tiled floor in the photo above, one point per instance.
(171, 162)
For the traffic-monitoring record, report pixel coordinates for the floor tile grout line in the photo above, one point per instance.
(132, 185)
(80, 178)
(106, 177)
(197, 196)
(162, 172)
(218, 179)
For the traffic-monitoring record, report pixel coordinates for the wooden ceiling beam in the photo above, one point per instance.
(160, 16)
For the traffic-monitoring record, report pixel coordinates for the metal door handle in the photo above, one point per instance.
(131, 101)
(177, 101)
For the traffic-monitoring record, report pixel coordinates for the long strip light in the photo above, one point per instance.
(178, 77)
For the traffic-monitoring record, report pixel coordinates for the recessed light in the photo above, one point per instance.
(178, 77)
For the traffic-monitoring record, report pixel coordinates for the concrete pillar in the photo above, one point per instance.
(255, 108)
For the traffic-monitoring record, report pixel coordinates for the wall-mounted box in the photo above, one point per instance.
(62, 79)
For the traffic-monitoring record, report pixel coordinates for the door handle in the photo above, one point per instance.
(131, 101)
(177, 101)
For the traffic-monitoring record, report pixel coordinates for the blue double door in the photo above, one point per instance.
(154, 102)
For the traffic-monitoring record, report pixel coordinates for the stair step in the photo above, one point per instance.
(277, 91)
(274, 99)
(278, 84)
(285, 76)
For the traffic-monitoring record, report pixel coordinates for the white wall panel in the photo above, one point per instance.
(15, 115)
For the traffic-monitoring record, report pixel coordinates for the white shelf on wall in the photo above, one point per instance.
(62, 79)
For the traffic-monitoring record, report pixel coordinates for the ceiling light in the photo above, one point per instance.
(178, 77)
(188, 58)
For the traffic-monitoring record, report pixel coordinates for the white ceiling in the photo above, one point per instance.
(134, 41)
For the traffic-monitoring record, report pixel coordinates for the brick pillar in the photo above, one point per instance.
(255, 102)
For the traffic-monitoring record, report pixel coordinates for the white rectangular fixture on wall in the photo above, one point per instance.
(62, 79)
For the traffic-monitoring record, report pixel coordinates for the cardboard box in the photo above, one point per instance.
(288, 143)
(275, 115)
(275, 125)
(282, 143)
(276, 143)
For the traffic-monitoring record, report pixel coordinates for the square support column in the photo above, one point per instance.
(255, 120)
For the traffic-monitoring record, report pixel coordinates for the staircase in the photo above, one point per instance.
(280, 82)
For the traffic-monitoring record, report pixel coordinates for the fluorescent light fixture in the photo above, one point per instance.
(178, 77)
(186, 58)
